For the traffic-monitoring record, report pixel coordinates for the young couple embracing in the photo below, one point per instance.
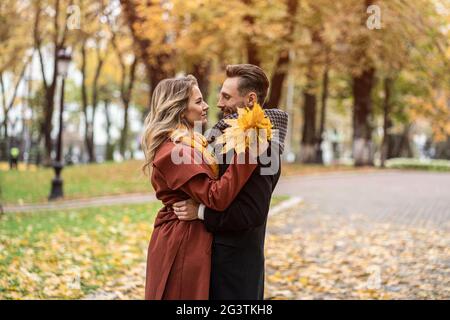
(208, 238)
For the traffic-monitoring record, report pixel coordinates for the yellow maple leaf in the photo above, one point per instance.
(252, 129)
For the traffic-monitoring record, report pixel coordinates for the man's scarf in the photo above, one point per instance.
(278, 117)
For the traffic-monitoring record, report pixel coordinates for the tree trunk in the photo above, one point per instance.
(309, 142)
(7, 106)
(130, 10)
(155, 71)
(87, 138)
(202, 71)
(281, 67)
(362, 111)
(98, 70)
(252, 54)
(5, 109)
(85, 104)
(109, 150)
(252, 50)
(124, 133)
(49, 89)
(363, 149)
(58, 42)
(277, 81)
(387, 123)
(323, 114)
(399, 145)
(126, 94)
(406, 150)
(47, 124)
(90, 137)
(443, 150)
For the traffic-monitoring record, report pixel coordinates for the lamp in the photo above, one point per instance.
(64, 57)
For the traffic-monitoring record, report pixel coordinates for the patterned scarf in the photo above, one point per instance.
(278, 117)
(198, 142)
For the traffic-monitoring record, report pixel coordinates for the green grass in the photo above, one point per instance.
(76, 221)
(80, 181)
(277, 200)
(418, 164)
(40, 251)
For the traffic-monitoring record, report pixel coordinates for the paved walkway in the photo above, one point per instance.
(413, 198)
(314, 255)
(383, 235)
(83, 203)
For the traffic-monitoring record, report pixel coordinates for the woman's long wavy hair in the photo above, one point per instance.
(170, 100)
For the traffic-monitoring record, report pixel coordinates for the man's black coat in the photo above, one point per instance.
(237, 270)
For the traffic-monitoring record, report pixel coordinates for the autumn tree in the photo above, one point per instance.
(94, 47)
(122, 45)
(51, 33)
(153, 50)
(280, 69)
(366, 42)
(15, 55)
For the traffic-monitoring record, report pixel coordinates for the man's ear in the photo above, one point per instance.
(252, 99)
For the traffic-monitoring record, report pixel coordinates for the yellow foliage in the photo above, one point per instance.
(435, 109)
(252, 129)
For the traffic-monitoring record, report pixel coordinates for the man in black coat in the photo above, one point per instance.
(237, 270)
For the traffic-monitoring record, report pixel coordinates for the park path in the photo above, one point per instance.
(383, 235)
(120, 199)
(413, 198)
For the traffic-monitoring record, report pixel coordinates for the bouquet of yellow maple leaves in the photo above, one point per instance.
(252, 129)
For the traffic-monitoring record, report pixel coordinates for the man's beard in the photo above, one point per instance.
(227, 111)
(231, 110)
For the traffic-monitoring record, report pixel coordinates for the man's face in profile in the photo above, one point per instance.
(229, 98)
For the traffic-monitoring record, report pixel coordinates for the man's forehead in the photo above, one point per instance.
(230, 86)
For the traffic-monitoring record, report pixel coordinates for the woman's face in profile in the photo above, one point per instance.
(197, 108)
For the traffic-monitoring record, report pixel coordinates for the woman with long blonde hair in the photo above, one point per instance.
(179, 253)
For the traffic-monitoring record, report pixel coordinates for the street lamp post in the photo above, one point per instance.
(64, 58)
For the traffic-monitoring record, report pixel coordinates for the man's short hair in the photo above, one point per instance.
(251, 78)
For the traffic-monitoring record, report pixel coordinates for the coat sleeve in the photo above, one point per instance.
(195, 179)
(249, 209)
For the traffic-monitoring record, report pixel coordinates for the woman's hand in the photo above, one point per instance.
(186, 210)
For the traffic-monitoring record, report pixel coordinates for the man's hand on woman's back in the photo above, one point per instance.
(186, 210)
